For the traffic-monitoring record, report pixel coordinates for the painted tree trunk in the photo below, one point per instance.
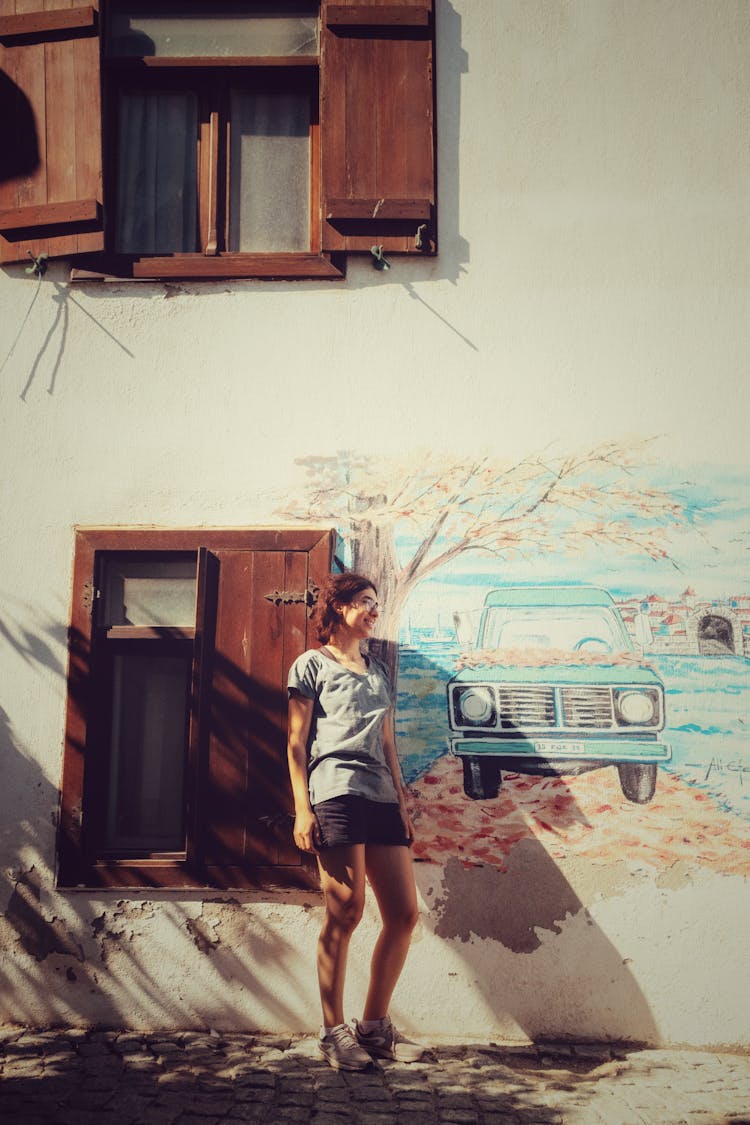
(374, 555)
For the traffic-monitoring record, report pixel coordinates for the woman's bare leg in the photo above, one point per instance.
(342, 876)
(391, 876)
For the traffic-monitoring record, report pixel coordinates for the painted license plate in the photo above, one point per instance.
(561, 747)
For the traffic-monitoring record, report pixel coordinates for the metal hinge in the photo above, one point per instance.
(293, 597)
(90, 595)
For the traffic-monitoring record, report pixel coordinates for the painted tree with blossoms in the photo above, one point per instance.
(443, 507)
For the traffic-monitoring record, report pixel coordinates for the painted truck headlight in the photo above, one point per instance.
(475, 706)
(638, 708)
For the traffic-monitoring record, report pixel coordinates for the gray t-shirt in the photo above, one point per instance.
(345, 744)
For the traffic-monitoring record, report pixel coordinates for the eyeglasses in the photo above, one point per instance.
(369, 604)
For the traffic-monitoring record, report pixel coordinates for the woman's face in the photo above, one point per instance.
(361, 614)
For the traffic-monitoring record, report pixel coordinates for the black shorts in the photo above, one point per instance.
(357, 820)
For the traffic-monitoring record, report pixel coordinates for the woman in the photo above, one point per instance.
(350, 810)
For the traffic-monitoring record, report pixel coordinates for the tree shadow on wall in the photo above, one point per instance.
(108, 957)
(502, 898)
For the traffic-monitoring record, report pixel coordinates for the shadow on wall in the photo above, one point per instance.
(451, 65)
(577, 984)
(18, 135)
(119, 958)
(524, 932)
(62, 299)
(192, 959)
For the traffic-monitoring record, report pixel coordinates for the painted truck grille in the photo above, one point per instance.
(587, 707)
(522, 707)
(542, 708)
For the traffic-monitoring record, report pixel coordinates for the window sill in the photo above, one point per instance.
(222, 267)
(162, 875)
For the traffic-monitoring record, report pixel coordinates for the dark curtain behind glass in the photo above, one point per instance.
(157, 183)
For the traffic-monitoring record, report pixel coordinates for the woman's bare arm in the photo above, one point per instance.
(306, 835)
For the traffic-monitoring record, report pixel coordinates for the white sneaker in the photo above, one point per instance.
(339, 1048)
(387, 1043)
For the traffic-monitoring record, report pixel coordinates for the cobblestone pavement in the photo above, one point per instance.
(126, 1078)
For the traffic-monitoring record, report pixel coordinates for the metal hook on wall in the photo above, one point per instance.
(38, 265)
(379, 260)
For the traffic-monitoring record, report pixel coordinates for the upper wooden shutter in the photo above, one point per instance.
(377, 125)
(50, 129)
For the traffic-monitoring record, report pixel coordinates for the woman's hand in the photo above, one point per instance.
(391, 758)
(406, 818)
(306, 831)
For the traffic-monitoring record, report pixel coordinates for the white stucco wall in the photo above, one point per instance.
(592, 284)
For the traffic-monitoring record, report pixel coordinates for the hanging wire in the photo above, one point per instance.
(23, 322)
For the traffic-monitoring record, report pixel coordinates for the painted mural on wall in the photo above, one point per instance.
(571, 639)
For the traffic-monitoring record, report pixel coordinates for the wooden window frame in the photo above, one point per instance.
(373, 154)
(83, 861)
(210, 78)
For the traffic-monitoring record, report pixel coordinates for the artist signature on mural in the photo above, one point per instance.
(719, 766)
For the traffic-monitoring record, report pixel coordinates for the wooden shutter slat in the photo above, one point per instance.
(200, 703)
(40, 23)
(296, 583)
(375, 209)
(371, 15)
(377, 123)
(61, 130)
(89, 172)
(267, 838)
(24, 70)
(238, 265)
(57, 81)
(50, 214)
(229, 718)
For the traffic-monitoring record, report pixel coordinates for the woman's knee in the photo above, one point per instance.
(344, 914)
(410, 917)
(404, 918)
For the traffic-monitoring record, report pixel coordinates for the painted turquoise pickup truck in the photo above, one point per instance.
(553, 685)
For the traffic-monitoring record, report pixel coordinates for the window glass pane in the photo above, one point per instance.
(269, 187)
(145, 801)
(157, 179)
(287, 27)
(155, 591)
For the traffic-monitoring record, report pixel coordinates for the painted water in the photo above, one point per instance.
(707, 712)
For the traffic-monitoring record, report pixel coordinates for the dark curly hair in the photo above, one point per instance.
(342, 588)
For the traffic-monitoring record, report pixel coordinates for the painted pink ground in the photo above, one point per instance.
(582, 816)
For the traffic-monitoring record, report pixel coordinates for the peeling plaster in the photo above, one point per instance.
(205, 939)
(38, 936)
(677, 876)
(110, 928)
